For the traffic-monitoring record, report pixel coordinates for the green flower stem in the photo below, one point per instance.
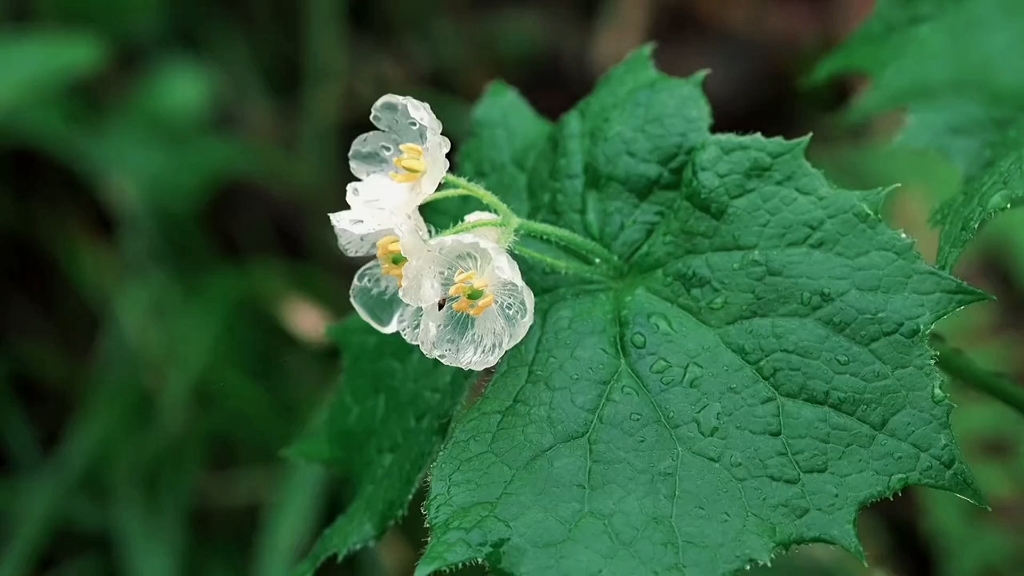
(959, 365)
(586, 246)
(563, 266)
(509, 221)
(468, 226)
(467, 188)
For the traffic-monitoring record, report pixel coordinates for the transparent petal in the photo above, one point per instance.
(379, 191)
(409, 320)
(430, 268)
(374, 153)
(434, 152)
(358, 231)
(458, 339)
(375, 298)
(407, 117)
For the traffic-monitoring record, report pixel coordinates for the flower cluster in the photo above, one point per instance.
(459, 297)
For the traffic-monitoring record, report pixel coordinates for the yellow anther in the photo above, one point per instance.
(389, 254)
(474, 298)
(410, 164)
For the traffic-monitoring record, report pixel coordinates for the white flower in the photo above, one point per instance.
(376, 286)
(475, 305)
(378, 207)
(409, 148)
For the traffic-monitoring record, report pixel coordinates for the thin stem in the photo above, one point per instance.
(959, 365)
(562, 266)
(586, 246)
(468, 188)
(468, 226)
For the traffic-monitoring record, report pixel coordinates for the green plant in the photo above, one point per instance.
(744, 360)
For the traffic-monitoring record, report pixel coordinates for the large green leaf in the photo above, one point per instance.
(758, 375)
(947, 62)
(382, 429)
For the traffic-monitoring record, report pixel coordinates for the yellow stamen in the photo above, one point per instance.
(473, 297)
(410, 164)
(388, 248)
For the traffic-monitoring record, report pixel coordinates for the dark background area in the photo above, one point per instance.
(168, 269)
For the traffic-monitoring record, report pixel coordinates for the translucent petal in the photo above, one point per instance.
(404, 116)
(373, 153)
(380, 192)
(458, 339)
(426, 272)
(358, 231)
(434, 153)
(375, 298)
(409, 320)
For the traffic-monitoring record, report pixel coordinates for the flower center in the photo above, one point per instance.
(474, 296)
(410, 164)
(389, 254)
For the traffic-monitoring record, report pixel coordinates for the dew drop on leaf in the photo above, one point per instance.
(661, 323)
(627, 391)
(805, 298)
(638, 340)
(735, 461)
(718, 303)
(708, 420)
(693, 372)
(635, 416)
(842, 359)
(660, 366)
(938, 396)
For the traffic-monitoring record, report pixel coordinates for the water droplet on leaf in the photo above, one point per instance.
(842, 359)
(638, 340)
(692, 373)
(708, 420)
(660, 366)
(635, 416)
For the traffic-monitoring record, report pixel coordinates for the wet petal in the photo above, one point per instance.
(358, 231)
(375, 298)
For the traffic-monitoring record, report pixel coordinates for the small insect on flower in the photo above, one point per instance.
(408, 149)
(483, 306)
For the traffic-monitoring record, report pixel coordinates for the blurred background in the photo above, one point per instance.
(168, 269)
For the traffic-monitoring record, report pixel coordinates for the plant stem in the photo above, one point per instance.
(508, 221)
(468, 226)
(586, 246)
(468, 188)
(959, 365)
(562, 266)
